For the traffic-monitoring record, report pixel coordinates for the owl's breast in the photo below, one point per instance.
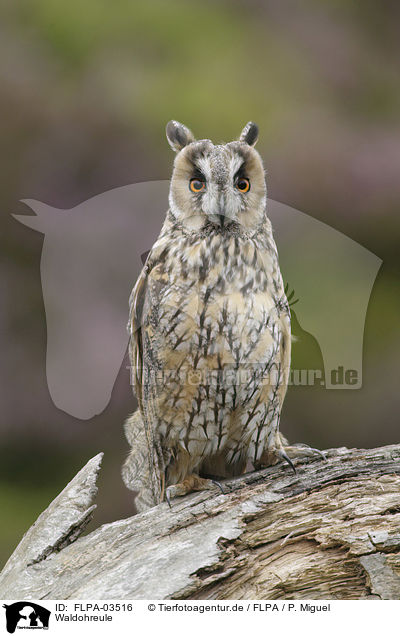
(213, 330)
(214, 308)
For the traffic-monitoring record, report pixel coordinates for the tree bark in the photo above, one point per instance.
(331, 531)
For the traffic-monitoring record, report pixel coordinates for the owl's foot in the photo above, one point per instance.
(286, 452)
(298, 451)
(190, 484)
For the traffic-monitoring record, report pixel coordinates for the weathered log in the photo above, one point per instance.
(331, 531)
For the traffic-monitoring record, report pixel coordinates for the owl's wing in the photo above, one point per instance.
(143, 306)
(144, 445)
(136, 302)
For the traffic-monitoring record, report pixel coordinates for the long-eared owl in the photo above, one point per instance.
(209, 328)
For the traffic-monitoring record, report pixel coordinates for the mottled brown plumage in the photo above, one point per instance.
(209, 327)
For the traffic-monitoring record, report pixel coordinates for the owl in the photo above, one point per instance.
(209, 328)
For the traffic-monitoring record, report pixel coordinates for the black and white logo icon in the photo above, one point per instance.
(26, 615)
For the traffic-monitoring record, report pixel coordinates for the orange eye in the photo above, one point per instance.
(197, 185)
(243, 185)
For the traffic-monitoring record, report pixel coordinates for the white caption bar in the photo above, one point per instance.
(238, 617)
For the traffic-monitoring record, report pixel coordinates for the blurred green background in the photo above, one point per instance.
(86, 90)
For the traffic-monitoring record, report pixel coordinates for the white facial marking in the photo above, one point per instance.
(234, 165)
(204, 165)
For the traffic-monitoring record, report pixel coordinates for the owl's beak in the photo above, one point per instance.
(218, 218)
(216, 211)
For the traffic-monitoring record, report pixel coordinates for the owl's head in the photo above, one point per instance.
(216, 185)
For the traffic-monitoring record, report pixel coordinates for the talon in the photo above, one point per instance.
(190, 484)
(286, 458)
(219, 485)
(310, 450)
(320, 453)
(303, 450)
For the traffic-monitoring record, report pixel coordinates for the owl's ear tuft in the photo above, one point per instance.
(249, 134)
(178, 135)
